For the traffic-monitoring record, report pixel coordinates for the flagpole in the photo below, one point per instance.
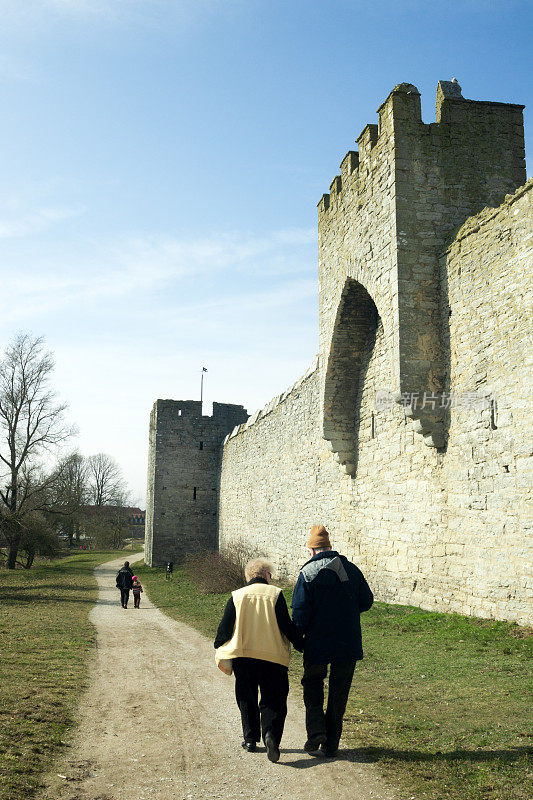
(202, 390)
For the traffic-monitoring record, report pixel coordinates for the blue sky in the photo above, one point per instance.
(162, 161)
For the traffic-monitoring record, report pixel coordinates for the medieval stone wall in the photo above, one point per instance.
(446, 528)
(488, 467)
(425, 303)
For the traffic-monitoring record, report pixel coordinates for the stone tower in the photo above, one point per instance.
(382, 228)
(183, 477)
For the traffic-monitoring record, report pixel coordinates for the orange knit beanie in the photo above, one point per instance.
(319, 538)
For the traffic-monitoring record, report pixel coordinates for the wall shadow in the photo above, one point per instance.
(365, 364)
(375, 754)
(445, 338)
(24, 598)
(350, 351)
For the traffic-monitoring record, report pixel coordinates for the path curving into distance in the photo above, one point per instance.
(160, 721)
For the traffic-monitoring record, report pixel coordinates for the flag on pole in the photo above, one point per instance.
(204, 369)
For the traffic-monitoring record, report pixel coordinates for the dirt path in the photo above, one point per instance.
(159, 721)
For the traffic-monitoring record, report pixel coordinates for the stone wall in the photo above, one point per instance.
(410, 303)
(425, 302)
(488, 468)
(272, 482)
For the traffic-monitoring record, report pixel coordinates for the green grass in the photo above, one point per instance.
(441, 702)
(45, 642)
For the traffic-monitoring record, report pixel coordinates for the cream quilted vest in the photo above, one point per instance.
(256, 633)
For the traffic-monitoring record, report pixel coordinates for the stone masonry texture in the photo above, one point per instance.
(183, 477)
(425, 301)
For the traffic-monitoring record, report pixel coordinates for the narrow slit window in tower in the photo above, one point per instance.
(493, 414)
(201, 445)
(194, 493)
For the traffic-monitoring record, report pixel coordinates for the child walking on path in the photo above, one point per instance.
(136, 589)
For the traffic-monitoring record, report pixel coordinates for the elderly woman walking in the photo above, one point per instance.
(253, 639)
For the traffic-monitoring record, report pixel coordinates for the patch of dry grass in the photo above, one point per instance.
(46, 640)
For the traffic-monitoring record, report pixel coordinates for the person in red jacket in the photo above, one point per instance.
(136, 589)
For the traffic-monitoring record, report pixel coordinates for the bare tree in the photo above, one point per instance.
(106, 484)
(107, 526)
(70, 493)
(106, 522)
(38, 538)
(31, 424)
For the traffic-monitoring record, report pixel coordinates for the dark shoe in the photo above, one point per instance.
(271, 747)
(313, 744)
(249, 746)
(329, 750)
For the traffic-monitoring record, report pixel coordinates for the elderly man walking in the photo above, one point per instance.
(328, 598)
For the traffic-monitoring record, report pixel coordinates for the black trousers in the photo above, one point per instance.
(340, 679)
(124, 596)
(253, 675)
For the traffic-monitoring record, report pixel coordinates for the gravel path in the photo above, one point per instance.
(159, 721)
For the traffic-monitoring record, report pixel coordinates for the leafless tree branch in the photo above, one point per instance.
(31, 421)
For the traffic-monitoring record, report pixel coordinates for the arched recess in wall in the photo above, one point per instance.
(351, 346)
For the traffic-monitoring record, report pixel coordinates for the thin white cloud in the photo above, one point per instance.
(36, 221)
(237, 306)
(254, 342)
(249, 314)
(28, 12)
(121, 270)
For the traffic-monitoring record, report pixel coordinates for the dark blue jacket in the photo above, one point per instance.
(328, 598)
(124, 578)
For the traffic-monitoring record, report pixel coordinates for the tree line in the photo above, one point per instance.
(45, 493)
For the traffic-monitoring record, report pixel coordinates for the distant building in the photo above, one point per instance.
(134, 517)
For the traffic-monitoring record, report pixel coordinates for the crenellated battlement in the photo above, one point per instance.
(367, 140)
(349, 164)
(466, 125)
(335, 187)
(357, 164)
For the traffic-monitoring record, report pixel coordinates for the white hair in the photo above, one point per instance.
(257, 568)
